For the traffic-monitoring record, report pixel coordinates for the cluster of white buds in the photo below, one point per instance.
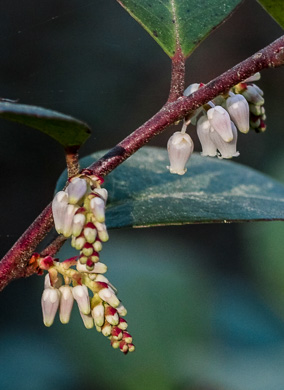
(217, 123)
(79, 213)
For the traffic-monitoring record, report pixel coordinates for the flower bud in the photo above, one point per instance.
(102, 231)
(49, 303)
(226, 149)
(111, 315)
(102, 192)
(220, 121)
(238, 109)
(90, 231)
(59, 205)
(191, 88)
(98, 314)
(66, 303)
(107, 295)
(81, 295)
(252, 78)
(76, 190)
(98, 208)
(121, 310)
(180, 148)
(78, 224)
(203, 132)
(252, 96)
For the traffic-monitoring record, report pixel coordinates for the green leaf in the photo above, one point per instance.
(183, 23)
(275, 8)
(66, 130)
(143, 193)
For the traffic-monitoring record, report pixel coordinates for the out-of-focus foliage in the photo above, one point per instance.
(275, 8)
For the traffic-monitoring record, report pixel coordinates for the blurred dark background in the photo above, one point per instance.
(205, 302)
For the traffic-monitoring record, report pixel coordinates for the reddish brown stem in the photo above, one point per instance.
(178, 73)
(72, 160)
(13, 264)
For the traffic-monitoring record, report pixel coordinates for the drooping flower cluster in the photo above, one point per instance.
(79, 213)
(217, 123)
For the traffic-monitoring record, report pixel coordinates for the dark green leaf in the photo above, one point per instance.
(275, 8)
(64, 129)
(143, 193)
(182, 22)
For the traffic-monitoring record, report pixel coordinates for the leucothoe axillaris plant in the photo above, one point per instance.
(217, 123)
(79, 214)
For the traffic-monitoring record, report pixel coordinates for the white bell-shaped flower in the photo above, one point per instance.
(87, 320)
(180, 148)
(76, 190)
(59, 206)
(68, 219)
(49, 303)
(98, 208)
(107, 295)
(221, 122)
(78, 224)
(226, 149)
(98, 314)
(66, 303)
(203, 132)
(81, 295)
(102, 192)
(238, 109)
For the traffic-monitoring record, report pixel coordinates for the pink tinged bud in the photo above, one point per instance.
(97, 245)
(180, 147)
(102, 192)
(203, 132)
(252, 78)
(46, 262)
(107, 295)
(121, 310)
(97, 268)
(66, 304)
(252, 96)
(101, 278)
(102, 231)
(123, 347)
(116, 333)
(111, 315)
(90, 232)
(49, 303)
(122, 324)
(59, 205)
(88, 320)
(98, 208)
(78, 224)
(131, 347)
(190, 89)
(98, 314)
(106, 329)
(221, 122)
(76, 190)
(226, 149)
(238, 109)
(88, 249)
(68, 220)
(81, 295)
(127, 337)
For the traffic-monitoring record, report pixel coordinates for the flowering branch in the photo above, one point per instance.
(14, 263)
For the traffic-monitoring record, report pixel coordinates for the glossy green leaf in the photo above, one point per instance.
(182, 22)
(143, 193)
(66, 130)
(275, 8)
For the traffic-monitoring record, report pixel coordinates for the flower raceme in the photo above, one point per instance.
(79, 213)
(241, 108)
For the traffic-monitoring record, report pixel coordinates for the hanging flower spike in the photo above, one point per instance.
(226, 149)
(203, 132)
(180, 148)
